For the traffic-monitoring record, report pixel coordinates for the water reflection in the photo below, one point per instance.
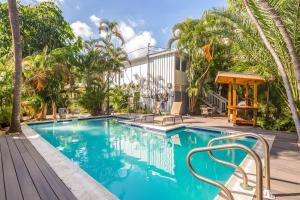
(137, 164)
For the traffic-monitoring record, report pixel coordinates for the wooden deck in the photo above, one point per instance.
(24, 174)
(285, 167)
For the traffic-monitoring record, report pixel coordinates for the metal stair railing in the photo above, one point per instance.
(267, 192)
(253, 154)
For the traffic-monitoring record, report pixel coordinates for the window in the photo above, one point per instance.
(183, 65)
(180, 64)
(177, 63)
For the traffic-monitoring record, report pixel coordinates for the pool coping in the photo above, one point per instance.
(89, 188)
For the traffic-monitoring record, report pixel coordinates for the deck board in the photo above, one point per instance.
(25, 175)
(42, 186)
(58, 186)
(12, 187)
(2, 188)
(285, 167)
(26, 184)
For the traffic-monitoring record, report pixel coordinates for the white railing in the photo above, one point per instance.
(216, 101)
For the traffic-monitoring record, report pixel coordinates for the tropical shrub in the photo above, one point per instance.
(6, 89)
(119, 98)
(5, 115)
(92, 101)
(31, 106)
(192, 37)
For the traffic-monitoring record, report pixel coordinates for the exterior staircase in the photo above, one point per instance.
(215, 101)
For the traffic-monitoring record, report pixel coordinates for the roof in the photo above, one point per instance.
(152, 55)
(162, 52)
(239, 78)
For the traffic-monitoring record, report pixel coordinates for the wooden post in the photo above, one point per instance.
(255, 104)
(246, 100)
(234, 102)
(229, 101)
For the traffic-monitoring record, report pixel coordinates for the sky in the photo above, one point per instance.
(141, 21)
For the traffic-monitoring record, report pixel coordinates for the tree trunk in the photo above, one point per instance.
(286, 37)
(280, 67)
(54, 110)
(15, 125)
(107, 100)
(43, 112)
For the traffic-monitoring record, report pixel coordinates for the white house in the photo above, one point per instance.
(161, 74)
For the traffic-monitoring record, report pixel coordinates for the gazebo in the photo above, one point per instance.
(249, 81)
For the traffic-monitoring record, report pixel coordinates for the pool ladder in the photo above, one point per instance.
(260, 194)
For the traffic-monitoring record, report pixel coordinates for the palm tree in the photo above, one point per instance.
(183, 34)
(191, 37)
(280, 66)
(111, 44)
(15, 125)
(265, 5)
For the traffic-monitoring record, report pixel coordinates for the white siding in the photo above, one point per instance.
(161, 67)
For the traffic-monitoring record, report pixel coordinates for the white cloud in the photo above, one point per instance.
(136, 43)
(81, 29)
(96, 20)
(126, 31)
(140, 41)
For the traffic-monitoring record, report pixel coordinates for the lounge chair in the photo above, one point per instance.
(175, 114)
(144, 117)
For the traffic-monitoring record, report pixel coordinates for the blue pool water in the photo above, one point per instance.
(137, 164)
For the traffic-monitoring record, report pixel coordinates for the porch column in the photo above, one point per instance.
(229, 101)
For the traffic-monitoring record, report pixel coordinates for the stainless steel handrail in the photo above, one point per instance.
(259, 192)
(245, 184)
(267, 193)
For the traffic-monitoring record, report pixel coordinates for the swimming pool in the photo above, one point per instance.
(135, 163)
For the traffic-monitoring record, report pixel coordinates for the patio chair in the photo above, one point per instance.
(206, 111)
(175, 114)
(62, 112)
